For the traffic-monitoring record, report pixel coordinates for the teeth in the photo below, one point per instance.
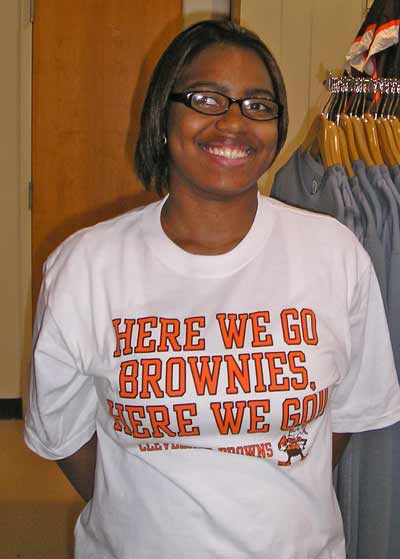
(232, 153)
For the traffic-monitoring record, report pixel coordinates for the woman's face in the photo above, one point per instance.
(221, 155)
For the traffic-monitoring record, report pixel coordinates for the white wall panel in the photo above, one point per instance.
(196, 10)
(308, 38)
(334, 26)
(265, 18)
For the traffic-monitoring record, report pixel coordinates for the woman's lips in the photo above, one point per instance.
(228, 153)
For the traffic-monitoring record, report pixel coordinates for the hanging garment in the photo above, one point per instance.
(371, 242)
(387, 62)
(375, 49)
(391, 229)
(393, 197)
(394, 270)
(370, 180)
(395, 174)
(303, 182)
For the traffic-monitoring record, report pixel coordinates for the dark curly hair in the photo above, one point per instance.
(151, 156)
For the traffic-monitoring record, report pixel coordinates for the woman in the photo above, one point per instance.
(209, 346)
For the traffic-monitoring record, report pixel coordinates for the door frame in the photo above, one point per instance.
(25, 216)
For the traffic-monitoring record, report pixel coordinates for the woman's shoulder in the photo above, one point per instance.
(316, 234)
(310, 221)
(99, 241)
(306, 217)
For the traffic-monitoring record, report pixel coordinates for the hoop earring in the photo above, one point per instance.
(165, 141)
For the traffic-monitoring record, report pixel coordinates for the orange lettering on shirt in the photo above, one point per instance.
(309, 327)
(185, 422)
(302, 383)
(233, 334)
(238, 373)
(323, 400)
(124, 336)
(159, 419)
(291, 332)
(175, 364)
(144, 333)
(136, 424)
(290, 413)
(275, 371)
(257, 422)
(259, 329)
(231, 419)
(128, 379)
(192, 333)
(205, 378)
(119, 420)
(260, 385)
(169, 332)
(309, 414)
(150, 377)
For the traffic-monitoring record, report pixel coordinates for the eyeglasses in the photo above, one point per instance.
(213, 103)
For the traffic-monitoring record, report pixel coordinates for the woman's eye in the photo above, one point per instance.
(205, 100)
(260, 106)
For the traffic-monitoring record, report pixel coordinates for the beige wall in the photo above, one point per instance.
(308, 38)
(14, 176)
(9, 199)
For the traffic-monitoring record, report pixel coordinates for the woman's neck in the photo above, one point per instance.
(203, 225)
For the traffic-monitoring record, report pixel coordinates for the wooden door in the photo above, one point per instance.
(91, 62)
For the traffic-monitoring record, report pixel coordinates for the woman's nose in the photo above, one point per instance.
(231, 120)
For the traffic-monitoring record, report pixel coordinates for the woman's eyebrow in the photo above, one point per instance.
(220, 87)
(260, 92)
(212, 86)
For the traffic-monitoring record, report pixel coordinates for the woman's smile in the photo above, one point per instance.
(228, 153)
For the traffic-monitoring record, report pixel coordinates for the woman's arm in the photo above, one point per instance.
(339, 443)
(80, 468)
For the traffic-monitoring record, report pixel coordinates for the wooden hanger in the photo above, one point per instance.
(372, 138)
(320, 140)
(392, 142)
(334, 143)
(324, 141)
(388, 156)
(346, 126)
(344, 152)
(395, 124)
(361, 140)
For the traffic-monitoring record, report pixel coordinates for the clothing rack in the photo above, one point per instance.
(350, 84)
(355, 94)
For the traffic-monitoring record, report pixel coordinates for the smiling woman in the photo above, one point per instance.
(197, 360)
(206, 156)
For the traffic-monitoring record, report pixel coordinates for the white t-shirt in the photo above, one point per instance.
(214, 383)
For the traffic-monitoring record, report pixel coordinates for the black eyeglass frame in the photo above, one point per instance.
(186, 99)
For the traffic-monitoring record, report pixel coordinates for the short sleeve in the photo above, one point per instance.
(367, 396)
(62, 399)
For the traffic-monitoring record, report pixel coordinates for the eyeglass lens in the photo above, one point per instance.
(215, 103)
